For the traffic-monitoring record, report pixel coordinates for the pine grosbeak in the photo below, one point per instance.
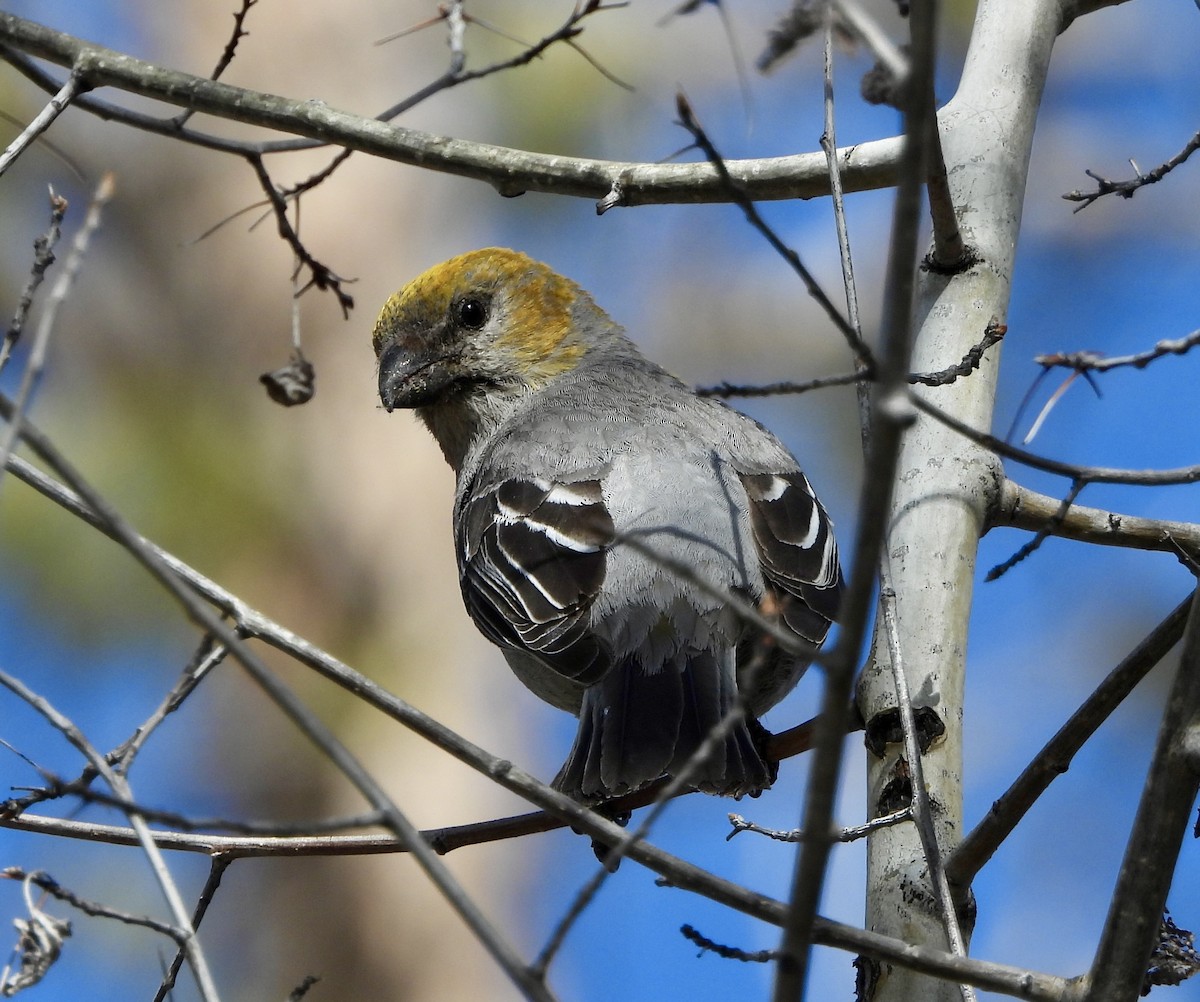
(569, 447)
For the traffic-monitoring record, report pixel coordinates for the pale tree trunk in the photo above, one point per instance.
(944, 484)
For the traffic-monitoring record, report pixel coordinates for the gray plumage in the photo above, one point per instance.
(561, 469)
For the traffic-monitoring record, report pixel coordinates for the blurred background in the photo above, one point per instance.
(333, 518)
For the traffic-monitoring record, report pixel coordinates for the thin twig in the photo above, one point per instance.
(739, 196)
(1039, 537)
(992, 334)
(1126, 189)
(1088, 474)
(58, 296)
(216, 870)
(55, 107)
(207, 657)
(43, 257)
(922, 808)
(52, 887)
(778, 389)
(1093, 361)
(728, 952)
(119, 785)
(829, 145)
(321, 275)
(852, 834)
(239, 32)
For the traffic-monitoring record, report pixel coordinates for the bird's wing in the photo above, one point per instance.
(531, 562)
(796, 549)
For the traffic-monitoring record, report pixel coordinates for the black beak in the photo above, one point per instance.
(411, 378)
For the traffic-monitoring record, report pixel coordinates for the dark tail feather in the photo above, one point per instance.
(734, 766)
(635, 726)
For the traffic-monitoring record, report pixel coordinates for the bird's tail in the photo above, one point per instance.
(637, 725)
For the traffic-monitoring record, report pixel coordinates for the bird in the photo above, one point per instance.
(610, 524)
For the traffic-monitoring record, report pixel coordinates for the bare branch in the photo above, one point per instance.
(43, 257)
(57, 105)
(1022, 508)
(829, 145)
(58, 295)
(1047, 530)
(853, 834)
(1131, 929)
(216, 870)
(1092, 361)
(1088, 474)
(1126, 189)
(779, 389)
(992, 334)
(1055, 758)
(866, 165)
(743, 200)
(52, 887)
(195, 955)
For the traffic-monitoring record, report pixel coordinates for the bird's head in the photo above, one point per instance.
(488, 324)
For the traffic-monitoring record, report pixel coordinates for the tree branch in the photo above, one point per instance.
(1055, 758)
(1134, 915)
(1126, 189)
(1021, 508)
(511, 172)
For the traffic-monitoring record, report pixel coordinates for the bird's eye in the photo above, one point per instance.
(472, 313)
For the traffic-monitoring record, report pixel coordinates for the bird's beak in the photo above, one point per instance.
(411, 375)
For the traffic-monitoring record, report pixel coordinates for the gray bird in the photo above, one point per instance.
(586, 476)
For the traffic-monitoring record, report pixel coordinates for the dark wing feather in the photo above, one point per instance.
(532, 560)
(796, 549)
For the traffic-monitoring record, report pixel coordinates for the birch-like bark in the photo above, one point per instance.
(945, 484)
